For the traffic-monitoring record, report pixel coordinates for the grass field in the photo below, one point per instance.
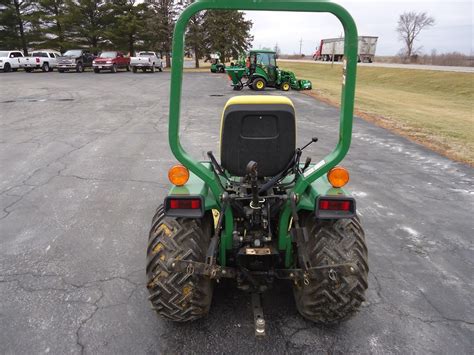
(432, 108)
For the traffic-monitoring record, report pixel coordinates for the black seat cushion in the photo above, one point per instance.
(264, 133)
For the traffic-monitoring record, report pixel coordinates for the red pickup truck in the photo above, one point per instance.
(111, 60)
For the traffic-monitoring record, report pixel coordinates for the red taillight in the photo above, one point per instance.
(335, 205)
(181, 204)
(230, 78)
(37, 60)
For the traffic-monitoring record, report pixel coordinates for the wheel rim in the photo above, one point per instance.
(286, 87)
(259, 84)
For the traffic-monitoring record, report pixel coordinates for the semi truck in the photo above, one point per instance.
(332, 49)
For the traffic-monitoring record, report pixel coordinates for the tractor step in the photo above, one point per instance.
(258, 315)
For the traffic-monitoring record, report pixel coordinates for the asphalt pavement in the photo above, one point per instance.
(84, 160)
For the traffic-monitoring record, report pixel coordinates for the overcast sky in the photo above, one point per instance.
(453, 30)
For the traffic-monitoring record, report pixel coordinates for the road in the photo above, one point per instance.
(84, 161)
(395, 65)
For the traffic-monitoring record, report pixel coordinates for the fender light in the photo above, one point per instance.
(338, 176)
(178, 175)
(330, 207)
(184, 206)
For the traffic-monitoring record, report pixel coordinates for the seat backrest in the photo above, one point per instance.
(261, 128)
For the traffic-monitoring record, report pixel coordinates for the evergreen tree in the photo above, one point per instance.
(128, 26)
(161, 22)
(195, 36)
(227, 33)
(51, 17)
(15, 24)
(86, 21)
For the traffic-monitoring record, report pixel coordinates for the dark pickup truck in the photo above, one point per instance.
(75, 59)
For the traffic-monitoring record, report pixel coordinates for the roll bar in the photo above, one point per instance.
(348, 81)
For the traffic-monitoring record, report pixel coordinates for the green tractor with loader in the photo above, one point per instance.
(261, 71)
(259, 213)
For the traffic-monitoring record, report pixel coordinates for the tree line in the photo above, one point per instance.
(128, 25)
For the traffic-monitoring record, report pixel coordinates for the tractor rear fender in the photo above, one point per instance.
(196, 187)
(259, 72)
(320, 187)
(308, 202)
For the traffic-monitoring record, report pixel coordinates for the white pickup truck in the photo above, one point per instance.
(146, 60)
(46, 60)
(10, 60)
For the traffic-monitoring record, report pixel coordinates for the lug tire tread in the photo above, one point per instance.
(334, 242)
(177, 296)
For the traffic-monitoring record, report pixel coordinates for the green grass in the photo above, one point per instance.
(431, 107)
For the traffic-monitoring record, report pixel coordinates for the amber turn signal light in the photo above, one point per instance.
(338, 176)
(178, 175)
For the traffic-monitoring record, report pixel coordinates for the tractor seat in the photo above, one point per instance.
(261, 128)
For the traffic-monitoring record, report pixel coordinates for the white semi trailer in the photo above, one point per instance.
(333, 49)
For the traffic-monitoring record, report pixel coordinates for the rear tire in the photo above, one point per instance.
(79, 68)
(259, 84)
(61, 70)
(28, 70)
(96, 70)
(153, 69)
(134, 69)
(333, 242)
(128, 67)
(178, 296)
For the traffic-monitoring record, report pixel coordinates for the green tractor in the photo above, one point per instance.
(216, 65)
(260, 214)
(261, 71)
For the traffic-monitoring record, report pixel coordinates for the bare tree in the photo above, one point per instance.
(409, 27)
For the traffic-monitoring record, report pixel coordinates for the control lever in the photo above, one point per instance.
(306, 164)
(313, 140)
(215, 163)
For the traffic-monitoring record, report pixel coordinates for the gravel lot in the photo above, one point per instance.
(83, 166)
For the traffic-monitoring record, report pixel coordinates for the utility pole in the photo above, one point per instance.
(301, 44)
